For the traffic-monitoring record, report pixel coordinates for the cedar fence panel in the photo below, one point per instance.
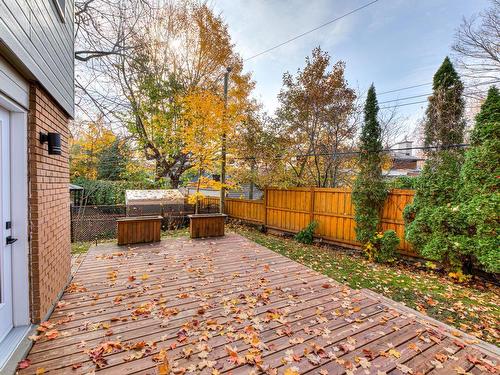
(245, 209)
(290, 210)
(392, 216)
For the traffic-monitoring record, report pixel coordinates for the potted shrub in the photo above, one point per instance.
(204, 225)
(206, 121)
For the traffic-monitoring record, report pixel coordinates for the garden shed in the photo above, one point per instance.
(76, 194)
(153, 202)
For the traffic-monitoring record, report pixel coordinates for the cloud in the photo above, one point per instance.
(393, 43)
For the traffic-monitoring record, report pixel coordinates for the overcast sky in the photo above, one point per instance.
(392, 43)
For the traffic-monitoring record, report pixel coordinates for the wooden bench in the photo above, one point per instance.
(139, 229)
(206, 225)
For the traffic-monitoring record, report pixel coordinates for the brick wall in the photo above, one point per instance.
(49, 216)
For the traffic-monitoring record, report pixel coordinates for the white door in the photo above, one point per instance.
(6, 311)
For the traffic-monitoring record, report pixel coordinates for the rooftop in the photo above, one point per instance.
(153, 196)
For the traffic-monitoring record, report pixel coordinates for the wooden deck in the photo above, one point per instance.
(228, 305)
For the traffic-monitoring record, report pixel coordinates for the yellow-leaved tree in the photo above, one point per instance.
(206, 121)
(176, 47)
(86, 148)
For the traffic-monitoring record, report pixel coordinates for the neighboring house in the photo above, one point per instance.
(242, 192)
(36, 100)
(404, 163)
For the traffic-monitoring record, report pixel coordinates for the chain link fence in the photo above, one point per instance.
(94, 223)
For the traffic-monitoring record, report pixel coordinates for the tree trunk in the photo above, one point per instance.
(197, 205)
(175, 181)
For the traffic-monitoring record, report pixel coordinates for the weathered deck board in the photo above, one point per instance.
(196, 299)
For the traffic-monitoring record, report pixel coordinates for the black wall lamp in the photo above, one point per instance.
(53, 140)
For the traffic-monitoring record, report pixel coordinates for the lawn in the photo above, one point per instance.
(80, 247)
(473, 307)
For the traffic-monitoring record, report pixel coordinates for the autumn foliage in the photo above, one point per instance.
(206, 122)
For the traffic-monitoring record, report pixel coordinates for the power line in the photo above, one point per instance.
(405, 98)
(345, 153)
(426, 84)
(403, 105)
(353, 153)
(310, 31)
(403, 88)
(426, 95)
(418, 96)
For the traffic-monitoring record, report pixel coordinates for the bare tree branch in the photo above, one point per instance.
(477, 43)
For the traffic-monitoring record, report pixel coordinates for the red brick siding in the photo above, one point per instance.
(50, 258)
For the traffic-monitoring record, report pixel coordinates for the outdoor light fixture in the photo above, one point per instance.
(53, 140)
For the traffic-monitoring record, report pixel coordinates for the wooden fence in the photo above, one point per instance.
(290, 210)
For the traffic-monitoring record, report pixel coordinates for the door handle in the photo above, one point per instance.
(10, 240)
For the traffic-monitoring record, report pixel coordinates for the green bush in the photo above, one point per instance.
(482, 233)
(433, 220)
(104, 192)
(306, 235)
(479, 188)
(382, 246)
(403, 182)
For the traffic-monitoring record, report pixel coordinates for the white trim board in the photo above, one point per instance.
(13, 84)
(15, 347)
(19, 218)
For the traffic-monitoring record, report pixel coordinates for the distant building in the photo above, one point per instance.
(153, 202)
(76, 194)
(242, 192)
(404, 162)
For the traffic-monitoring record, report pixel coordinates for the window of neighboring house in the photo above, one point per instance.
(61, 6)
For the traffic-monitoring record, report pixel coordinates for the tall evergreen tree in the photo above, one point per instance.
(433, 220)
(369, 190)
(445, 123)
(112, 162)
(480, 187)
(488, 118)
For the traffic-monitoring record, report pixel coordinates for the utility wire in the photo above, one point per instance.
(403, 105)
(403, 88)
(343, 153)
(405, 98)
(416, 96)
(429, 83)
(310, 31)
(353, 153)
(429, 94)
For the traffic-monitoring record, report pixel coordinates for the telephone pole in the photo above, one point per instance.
(223, 147)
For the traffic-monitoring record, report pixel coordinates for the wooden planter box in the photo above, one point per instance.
(206, 225)
(139, 229)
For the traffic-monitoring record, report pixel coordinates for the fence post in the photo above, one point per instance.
(311, 208)
(265, 206)
(71, 224)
